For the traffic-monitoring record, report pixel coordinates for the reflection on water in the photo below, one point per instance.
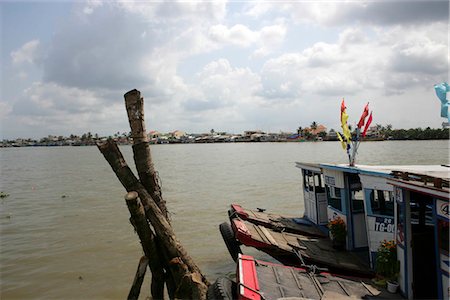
(65, 230)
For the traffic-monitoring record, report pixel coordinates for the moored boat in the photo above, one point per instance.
(422, 232)
(257, 279)
(407, 205)
(329, 192)
(297, 250)
(276, 222)
(395, 217)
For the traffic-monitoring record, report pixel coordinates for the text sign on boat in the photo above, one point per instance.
(442, 208)
(383, 224)
(329, 180)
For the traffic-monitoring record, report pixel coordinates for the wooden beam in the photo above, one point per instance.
(186, 272)
(148, 176)
(138, 279)
(147, 238)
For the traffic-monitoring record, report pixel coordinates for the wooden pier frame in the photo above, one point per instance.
(168, 260)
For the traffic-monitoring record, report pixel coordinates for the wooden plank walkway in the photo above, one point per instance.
(313, 250)
(283, 223)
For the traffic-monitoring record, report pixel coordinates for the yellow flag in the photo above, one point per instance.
(342, 141)
(345, 129)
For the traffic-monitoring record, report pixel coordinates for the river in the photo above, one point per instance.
(65, 232)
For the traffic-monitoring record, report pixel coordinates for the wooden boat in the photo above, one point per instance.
(336, 191)
(277, 222)
(263, 280)
(296, 250)
(405, 204)
(422, 232)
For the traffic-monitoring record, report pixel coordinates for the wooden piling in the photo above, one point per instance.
(138, 279)
(148, 176)
(147, 238)
(190, 283)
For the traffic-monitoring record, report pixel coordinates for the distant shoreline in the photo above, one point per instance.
(93, 143)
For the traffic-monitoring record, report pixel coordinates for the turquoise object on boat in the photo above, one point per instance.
(441, 91)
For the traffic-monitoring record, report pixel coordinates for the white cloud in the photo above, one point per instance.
(267, 38)
(91, 5)
(380, 13)
(382, 64)
(5, 108)
(130, 44)
(209, 64)
(271, 37)
(176, 11)
(220, 85)
(50, 98)
(420, 52)
(57, 109)
(238, 35)
(27, 53)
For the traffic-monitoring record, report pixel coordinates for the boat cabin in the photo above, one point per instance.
(359, 195)
(422, 231)
(315, 198)
(362, 198)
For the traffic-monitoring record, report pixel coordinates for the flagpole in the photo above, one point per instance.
(355, 144)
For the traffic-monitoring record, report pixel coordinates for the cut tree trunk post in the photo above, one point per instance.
(148, 243)
(138, 279)
(134, 104)
(193, 284)
(148, 176)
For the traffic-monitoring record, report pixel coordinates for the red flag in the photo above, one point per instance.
(367, 124)
(342, 107)
(363, 116)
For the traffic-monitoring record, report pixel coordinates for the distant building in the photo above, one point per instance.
(332, 135)
(320, 128)
(249, 133)
(154, 134)
(373, 131)
(177, 134)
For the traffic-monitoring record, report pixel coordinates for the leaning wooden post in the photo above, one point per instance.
(138, 279)
(140, 224)
(191, 284)
(134, 104)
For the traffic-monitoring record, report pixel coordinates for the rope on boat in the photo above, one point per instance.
(253, 290)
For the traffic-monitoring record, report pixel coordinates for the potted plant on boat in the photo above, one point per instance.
(338, 232)
(387, 265)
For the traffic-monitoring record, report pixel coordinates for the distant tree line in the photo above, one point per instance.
(413, 133)
(418, 134)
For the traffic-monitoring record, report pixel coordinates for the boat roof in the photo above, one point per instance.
(435, 171)
(438, 189)
(308, 166)
(430, 181)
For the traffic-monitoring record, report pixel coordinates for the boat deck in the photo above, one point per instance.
(276, 281)
(277, 222)
(313, 250)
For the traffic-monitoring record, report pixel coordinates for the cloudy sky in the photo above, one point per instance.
(230, 66)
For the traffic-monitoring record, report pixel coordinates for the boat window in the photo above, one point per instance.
(421, 210)
(382, 202)
(334, 197)
(308, 181)
(318, 183)
(443, 235)
(357, 201)
(400, 224)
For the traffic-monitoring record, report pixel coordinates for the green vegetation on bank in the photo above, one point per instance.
(313, 133)
(416, 134)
